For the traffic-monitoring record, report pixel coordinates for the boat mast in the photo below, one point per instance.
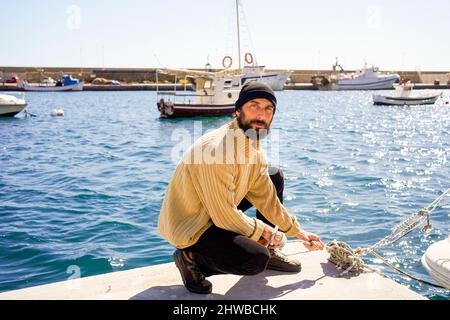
(238, 33)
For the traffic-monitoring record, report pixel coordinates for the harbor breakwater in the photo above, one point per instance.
(145, 78)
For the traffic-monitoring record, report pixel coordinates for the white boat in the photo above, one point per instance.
(403, 96)
(436, 261)
(251, 70)
(363, 79)
(11, 105)
(275, 80)
(215, 95)
(65, 83)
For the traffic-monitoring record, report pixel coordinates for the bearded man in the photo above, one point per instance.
(224, 173)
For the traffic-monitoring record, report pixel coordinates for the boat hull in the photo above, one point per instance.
(11, 105)
(436, 261)
(52, 88)
(353, 84)
(11, 110)
(404, 101)
(169, 110)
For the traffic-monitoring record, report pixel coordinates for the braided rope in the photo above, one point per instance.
(344, 257)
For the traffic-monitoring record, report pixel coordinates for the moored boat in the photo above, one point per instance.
(65, 83)
(215, 95)
(11, 105)
(252, 71)
(436, 261)
(275, 80)
(363, 79)
(403, 96)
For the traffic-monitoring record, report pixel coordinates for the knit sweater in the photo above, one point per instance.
(209, 182)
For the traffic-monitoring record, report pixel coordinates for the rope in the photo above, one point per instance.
(28, 113)
(405, 273)
(344, 257)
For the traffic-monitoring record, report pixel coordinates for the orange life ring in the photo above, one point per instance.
(248, 58)
(226, 66)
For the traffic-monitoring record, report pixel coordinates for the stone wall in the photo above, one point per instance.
(148, 75)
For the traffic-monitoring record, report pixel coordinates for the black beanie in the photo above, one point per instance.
(254, 90)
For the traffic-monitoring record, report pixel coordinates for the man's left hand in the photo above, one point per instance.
(313, 239)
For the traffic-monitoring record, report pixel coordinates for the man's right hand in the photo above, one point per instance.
(278, 240)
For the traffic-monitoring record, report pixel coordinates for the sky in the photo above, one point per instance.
(282, 34)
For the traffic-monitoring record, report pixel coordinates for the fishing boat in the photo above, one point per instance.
(214, 95)
(275, 80)
(252, 71)
(11, 105)
(65, 83)
(436, 261)
(363, 79)
(404, 96)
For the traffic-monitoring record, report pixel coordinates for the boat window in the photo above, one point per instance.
(207, 84)
(227, 84)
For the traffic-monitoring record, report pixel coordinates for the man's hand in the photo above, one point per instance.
(278, 241)
(314, 240)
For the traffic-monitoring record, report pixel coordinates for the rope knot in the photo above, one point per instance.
(343, 256)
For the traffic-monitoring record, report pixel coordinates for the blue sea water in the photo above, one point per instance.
(80, 194)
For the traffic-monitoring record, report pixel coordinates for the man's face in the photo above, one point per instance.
(256, 114)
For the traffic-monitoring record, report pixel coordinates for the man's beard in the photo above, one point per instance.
(253, 133)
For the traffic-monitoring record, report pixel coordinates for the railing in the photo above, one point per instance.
(182, 97)
(18, 95)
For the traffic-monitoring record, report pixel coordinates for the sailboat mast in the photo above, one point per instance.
(238, 33)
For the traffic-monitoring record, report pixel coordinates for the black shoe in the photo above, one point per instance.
(280, 262)
(193, 279)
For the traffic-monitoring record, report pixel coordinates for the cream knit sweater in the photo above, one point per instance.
(214, 175)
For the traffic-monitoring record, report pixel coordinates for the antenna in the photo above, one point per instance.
(103, 57)
(81, 62)
(208, 65)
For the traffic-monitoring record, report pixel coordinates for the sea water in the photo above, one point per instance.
(80, 194)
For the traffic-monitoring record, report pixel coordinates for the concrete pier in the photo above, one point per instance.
(318, 280)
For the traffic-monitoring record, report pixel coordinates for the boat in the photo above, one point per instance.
(11, 105)
(436, 261)
(65, 83)
(363, 79)
(275, 80)
(403, 96)
(214, 94)
(251, 71)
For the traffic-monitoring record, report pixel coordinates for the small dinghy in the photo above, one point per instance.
(403, 97)
(436, 261)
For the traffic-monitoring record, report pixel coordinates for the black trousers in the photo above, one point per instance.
(220, 251)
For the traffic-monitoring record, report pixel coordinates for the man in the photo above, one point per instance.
(220, 176)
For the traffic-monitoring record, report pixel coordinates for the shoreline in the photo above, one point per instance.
(146, 78)
(188, 87)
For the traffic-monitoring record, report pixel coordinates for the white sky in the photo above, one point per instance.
(287, 34)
